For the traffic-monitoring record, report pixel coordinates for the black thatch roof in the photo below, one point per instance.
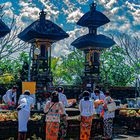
(93, 41)
(4, 29)
(43, 29)
(93, 18)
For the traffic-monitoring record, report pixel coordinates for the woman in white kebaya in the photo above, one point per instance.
(86, 107)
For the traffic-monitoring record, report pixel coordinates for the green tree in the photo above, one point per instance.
(115, 70)
(131, 45)
(69, 68)
(12, 67)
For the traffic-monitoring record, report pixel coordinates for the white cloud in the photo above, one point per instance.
(23, 3)
(51, 10)
(64, 47)
(8, 5)
(8, 13)
(68, 7)
(134, 10)
(30, 12)
(114, 10)
(82, 1)
(103, 1)
(74, 16)
(125, 27)
(108, 4)
(124, 15)
(111, 3)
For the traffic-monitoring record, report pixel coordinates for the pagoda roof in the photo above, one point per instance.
(4, 29)
(93, 18)
(43, 29)
(93, 41)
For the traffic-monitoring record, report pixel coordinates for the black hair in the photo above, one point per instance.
(14, 87)
(107, 93)
(27, 92)
(60, 88)
(97, 91)
(97, 87)
(86, 95)
(55, 98)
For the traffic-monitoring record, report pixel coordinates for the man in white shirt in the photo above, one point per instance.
(97, 94)
(10, 96)
(63, 118)
(62, 97)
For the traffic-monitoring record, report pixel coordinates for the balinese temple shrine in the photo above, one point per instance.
(41, 34)
(92, 44)
(4, 29)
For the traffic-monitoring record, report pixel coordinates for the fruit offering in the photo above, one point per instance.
(139, 112)
(71, 101)
(4, 106)
(36, 117)
(130, 113)
(98, 102)
(6, 116)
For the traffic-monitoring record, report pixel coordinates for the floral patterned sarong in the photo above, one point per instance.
(85, 127)
(52, 129)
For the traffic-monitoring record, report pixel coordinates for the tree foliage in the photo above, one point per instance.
(12, 68)
(131, 45)
(70, 68)
(114, 68)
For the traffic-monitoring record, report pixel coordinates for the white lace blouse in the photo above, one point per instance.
(86, 107)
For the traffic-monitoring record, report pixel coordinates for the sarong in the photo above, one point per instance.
(85, 127)
(63, 126)
(52, 129)
(23, 117)
(108, 126)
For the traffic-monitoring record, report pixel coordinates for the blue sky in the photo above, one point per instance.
(124, 15)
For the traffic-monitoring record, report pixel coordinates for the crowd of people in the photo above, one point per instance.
(56, 116)
(87, 111)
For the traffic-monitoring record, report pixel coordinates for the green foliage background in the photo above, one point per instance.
(114, 69)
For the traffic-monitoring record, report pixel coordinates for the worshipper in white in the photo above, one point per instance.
(62, 97)
(10, 96)
(63, 118)
(86, 107)
(97, 95)
(25, 104)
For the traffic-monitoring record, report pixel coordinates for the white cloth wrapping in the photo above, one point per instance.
(63, 99)
(23, 117)
(8, 96)
(25, 101)
(86, 107)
